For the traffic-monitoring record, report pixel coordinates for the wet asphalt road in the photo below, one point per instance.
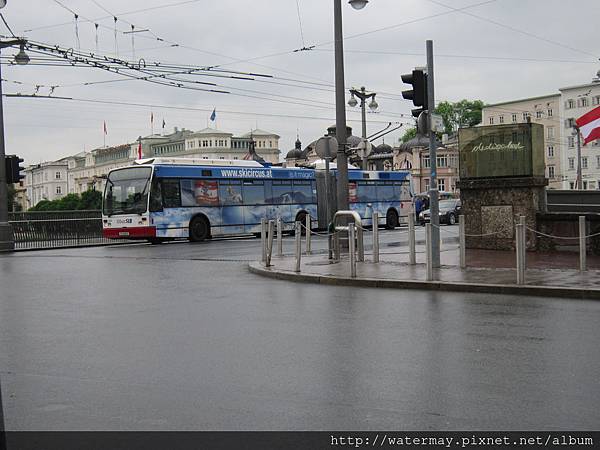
(182, 337)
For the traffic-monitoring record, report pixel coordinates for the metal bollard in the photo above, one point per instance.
(361, 243)
(462, 242)
(336, 247)
(412, 256)
(429, 252)
(582, 245)
(269, 243)
(375, 237)
(279, 237)
(298, 236)
(263, 238)
(308, 235)
(520, 241)
(352, 236)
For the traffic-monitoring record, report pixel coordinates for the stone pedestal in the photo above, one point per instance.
(491, 205)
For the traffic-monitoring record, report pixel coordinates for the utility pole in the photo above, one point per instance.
(579, 180)
(433, 187)
(340, 109)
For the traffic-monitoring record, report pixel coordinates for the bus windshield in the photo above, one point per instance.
(126, 191)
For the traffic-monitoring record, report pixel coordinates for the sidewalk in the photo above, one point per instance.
(547, 275)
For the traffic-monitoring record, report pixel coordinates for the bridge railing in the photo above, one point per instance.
(51, 229)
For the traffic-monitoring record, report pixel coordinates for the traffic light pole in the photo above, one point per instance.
(434, 207)
(7, 238)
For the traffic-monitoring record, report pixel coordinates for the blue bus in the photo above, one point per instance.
(180, 198)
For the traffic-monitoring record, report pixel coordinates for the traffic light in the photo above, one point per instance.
(13, 169)
(418, 94)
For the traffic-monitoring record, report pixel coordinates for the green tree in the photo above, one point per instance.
(69, 202)
(465, 113)
(409, 134)
(90, 199)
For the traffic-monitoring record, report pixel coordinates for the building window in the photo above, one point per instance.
(598, 161)
(584, 102)
(569, 123)
(571, 185)
(571, 141)
(514, 118)
(426, 162)
(442, 161)
(549, 113)
(235, 157)
(58, 190)
(550, 151)
(441, 184)
(57, 175)
(525, 116)
(426, 180)
(570, 104)
(571, 163)
(596, 101)
(538, 114)
(491, 121)
(584, 164)
(550, 171)
(270, 144)
(501, 119)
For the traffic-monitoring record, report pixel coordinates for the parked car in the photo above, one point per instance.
(449, 212)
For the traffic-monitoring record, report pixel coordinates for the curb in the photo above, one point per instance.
(513, 289)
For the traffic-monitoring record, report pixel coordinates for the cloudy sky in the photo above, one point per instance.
(490, 50)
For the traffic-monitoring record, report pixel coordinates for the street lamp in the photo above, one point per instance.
(340, 107)
(7, 238)
(363, 95)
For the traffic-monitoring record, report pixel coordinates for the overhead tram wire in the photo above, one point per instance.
(184, 108)
(516, 30)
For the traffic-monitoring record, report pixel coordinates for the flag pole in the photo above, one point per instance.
(579, 181)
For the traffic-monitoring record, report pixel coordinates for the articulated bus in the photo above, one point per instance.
(182, 198)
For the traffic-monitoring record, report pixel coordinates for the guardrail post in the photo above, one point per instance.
(269, 243)
(298, 236)
(279, 237)
(375, 237)
(308, 235)
(582, 245)
(429, 251)
(351, 233)
(263, 238)
(412, 257)
(336, 246)
(360, 241)
(462, 241)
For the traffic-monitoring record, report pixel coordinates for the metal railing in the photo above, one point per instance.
(52, 229)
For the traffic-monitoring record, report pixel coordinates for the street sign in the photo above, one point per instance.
(364, 149)
(437, 123)
(326, 147)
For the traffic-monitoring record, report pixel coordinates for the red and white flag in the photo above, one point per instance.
(105, 127)
(589, 125)
(140, 150)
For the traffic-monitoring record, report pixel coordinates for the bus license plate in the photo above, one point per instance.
(123, 233)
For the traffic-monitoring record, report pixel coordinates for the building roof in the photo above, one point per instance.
(521, 100)
(596, 82)
(419, 140)
(208, 131)
(259, 132)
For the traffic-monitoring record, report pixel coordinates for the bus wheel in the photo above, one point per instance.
(301, 217)
(391, 219)
(199, 229)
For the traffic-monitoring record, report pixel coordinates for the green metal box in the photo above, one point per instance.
(502, 151)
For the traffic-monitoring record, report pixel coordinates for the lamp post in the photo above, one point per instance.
(7, 238)
(363, 95)
(340, 107)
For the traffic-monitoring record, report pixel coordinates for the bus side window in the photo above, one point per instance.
(282, 192)
(155, 196)
(254, 192)
(171, 194)
(385, 192)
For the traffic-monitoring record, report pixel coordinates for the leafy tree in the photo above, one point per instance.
(465, 113)
(90, 199)
(409, 134)
(69, 202)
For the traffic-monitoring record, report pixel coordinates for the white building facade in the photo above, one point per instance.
(576, 101)
(46, 181)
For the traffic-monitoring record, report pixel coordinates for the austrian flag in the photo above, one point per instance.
(589, 125)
